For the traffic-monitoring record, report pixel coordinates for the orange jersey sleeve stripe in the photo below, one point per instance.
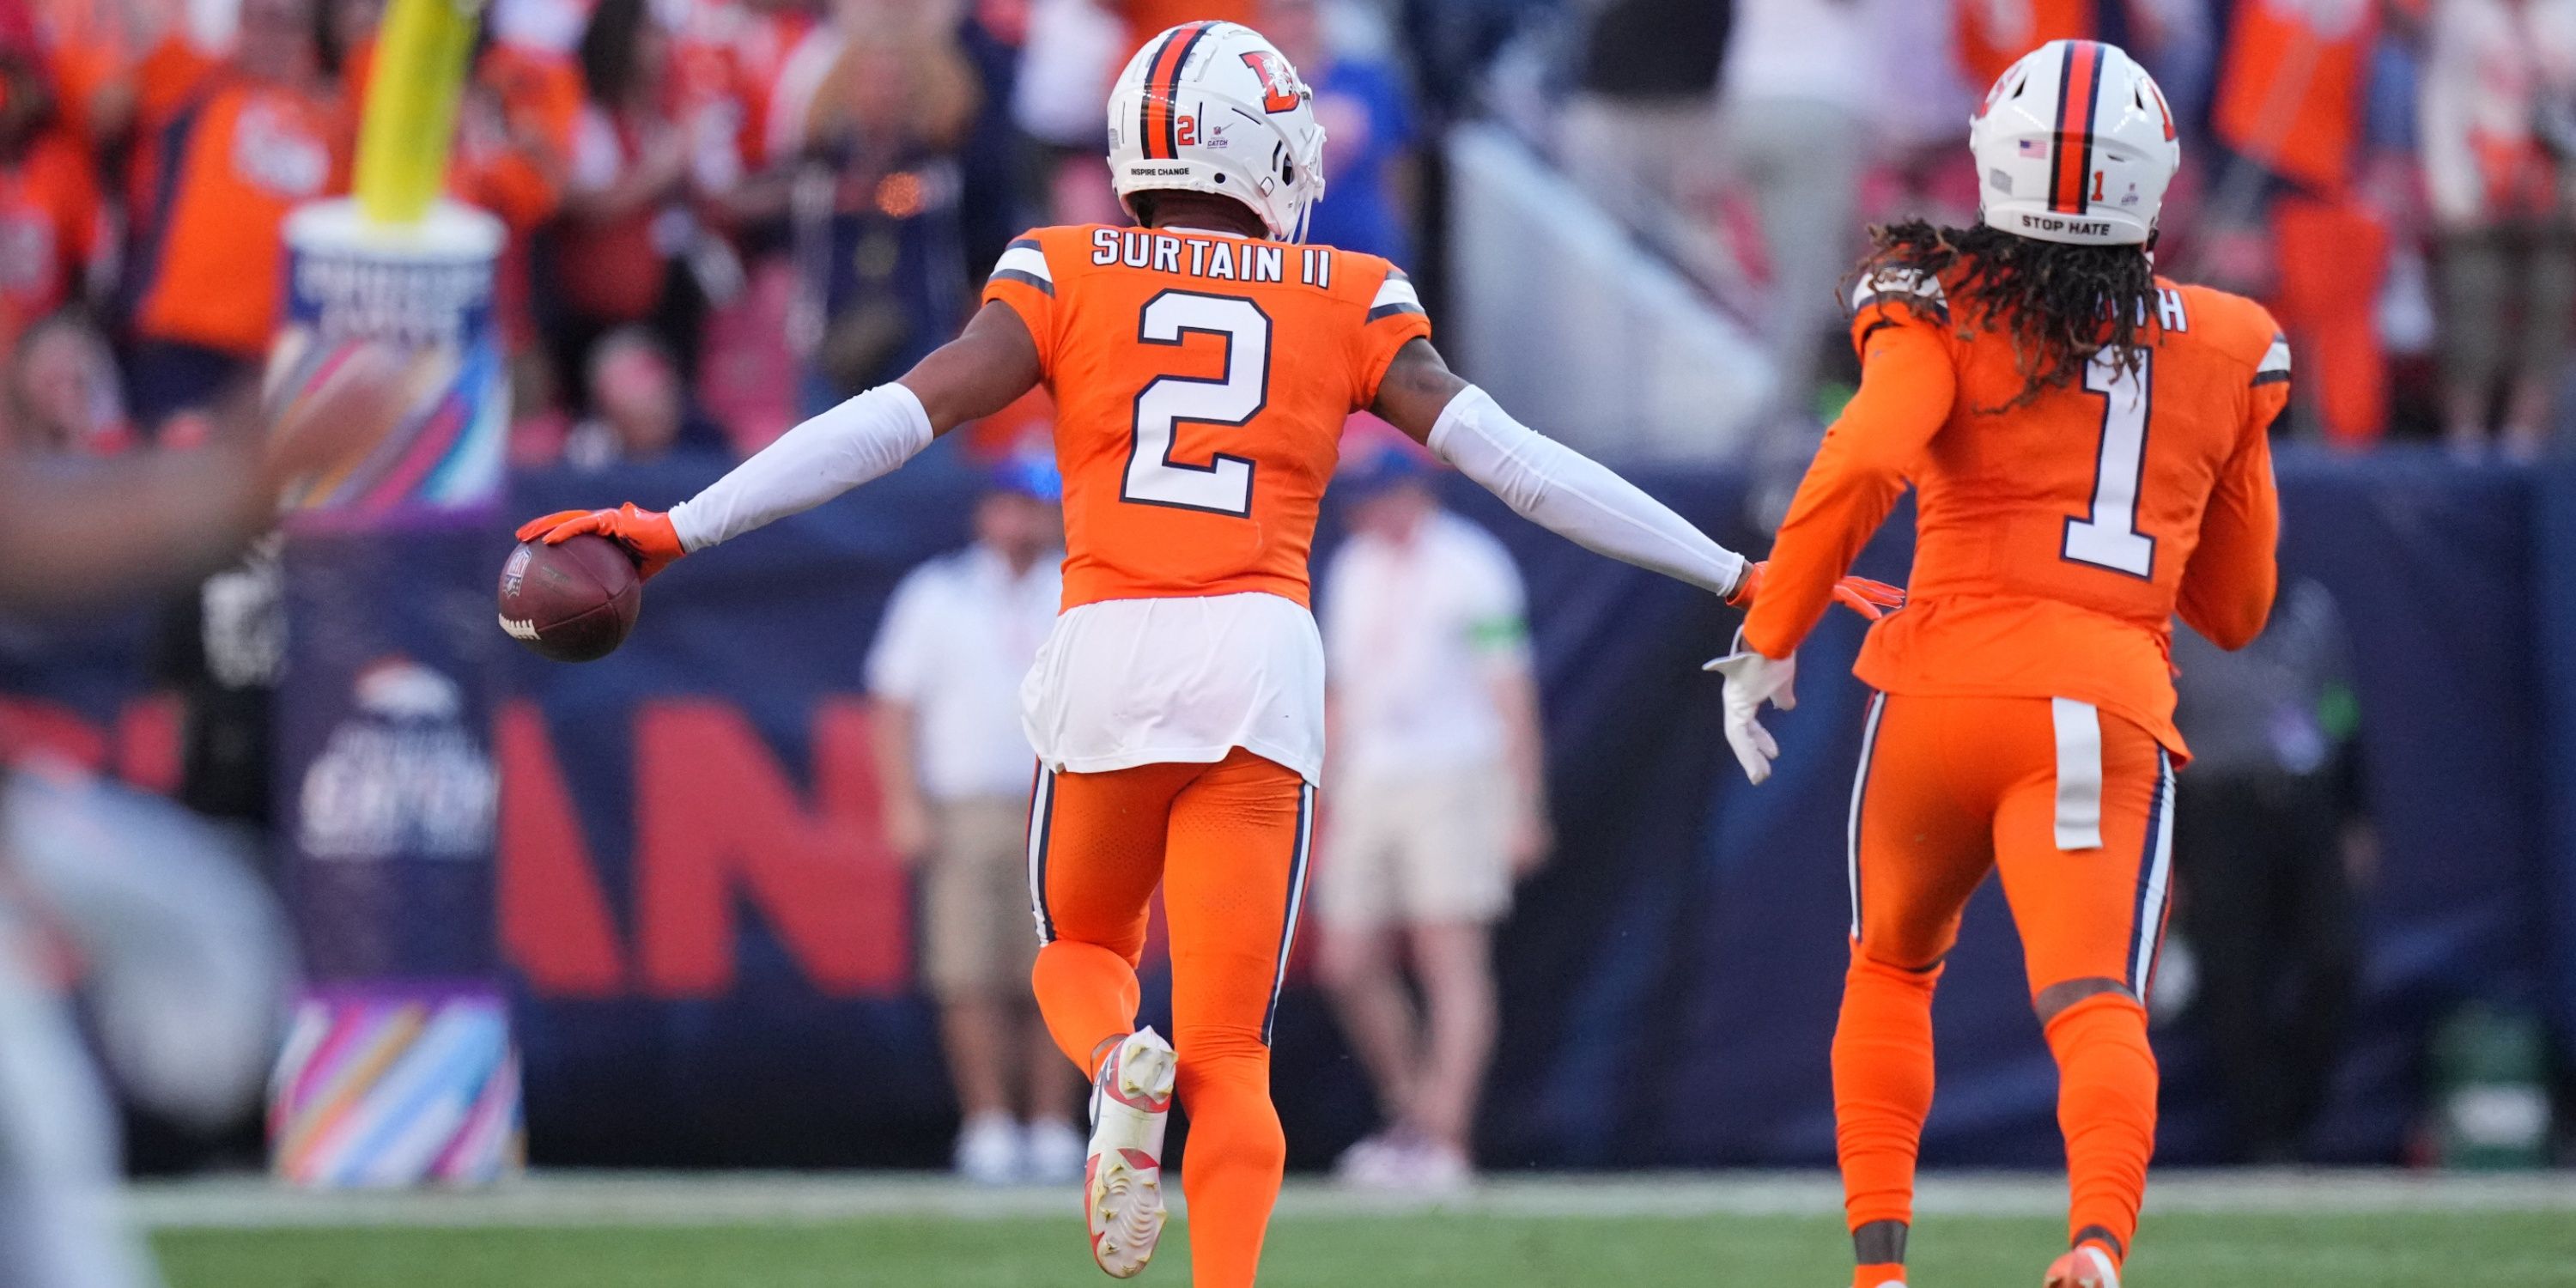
(1023, 283)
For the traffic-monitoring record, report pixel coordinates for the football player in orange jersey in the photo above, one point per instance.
(1202, 367)
(2088, 447)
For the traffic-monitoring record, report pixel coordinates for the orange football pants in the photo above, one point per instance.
(2075, 808)
(2332, 258)
(1227, 842)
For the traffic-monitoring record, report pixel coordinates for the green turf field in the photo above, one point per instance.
(2449, 1243)
(2447, 1250)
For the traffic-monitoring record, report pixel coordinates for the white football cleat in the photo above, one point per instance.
(1131, 1104)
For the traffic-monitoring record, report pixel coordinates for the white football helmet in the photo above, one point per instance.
(2074, 144)
(1213, 107)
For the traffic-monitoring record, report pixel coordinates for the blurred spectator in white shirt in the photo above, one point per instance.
(945, 674)
(1436, 805)
(2497, 125)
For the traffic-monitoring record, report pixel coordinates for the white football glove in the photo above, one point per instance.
(1751, 680)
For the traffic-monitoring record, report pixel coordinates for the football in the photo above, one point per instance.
(572, 602)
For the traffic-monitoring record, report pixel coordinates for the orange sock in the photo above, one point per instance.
(2106, 1106)
(1879, 1275)
(1882, 1087)
(1087, 995)
(1236, 1153)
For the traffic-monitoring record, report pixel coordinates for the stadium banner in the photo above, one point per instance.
(386, 787)
(399, 1068)
(709, 947)
(2556, 639)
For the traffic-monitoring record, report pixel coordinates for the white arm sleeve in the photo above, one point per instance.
(863, 438)
(1561, 489)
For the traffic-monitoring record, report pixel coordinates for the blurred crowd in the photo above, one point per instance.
(727, 213)
(687, 184)
(2391, 177)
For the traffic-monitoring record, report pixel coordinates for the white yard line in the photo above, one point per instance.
(771, 1198)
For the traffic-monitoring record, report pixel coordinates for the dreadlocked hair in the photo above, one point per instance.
(2061, 304)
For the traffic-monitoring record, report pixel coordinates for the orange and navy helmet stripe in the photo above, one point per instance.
(2079, 86)
(1156, 127)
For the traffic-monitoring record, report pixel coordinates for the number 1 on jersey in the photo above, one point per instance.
(2109, 536)
(1224, 484)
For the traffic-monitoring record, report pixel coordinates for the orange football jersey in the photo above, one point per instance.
(2054, 540)
(213, 265)
(2291, 86)
(1201, 381)
(1146, 17)
(50, 217)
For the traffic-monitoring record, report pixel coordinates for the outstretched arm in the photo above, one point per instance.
(1545, 481)
(978, 373)
(1906, 390)
(985, 369)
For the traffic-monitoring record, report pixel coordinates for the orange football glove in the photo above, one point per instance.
(1868, 598)
(647, 534)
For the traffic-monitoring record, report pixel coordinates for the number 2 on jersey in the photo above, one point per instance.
(2109, 537)
(1224, 484)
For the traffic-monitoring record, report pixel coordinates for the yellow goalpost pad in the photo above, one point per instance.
(410, 115)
